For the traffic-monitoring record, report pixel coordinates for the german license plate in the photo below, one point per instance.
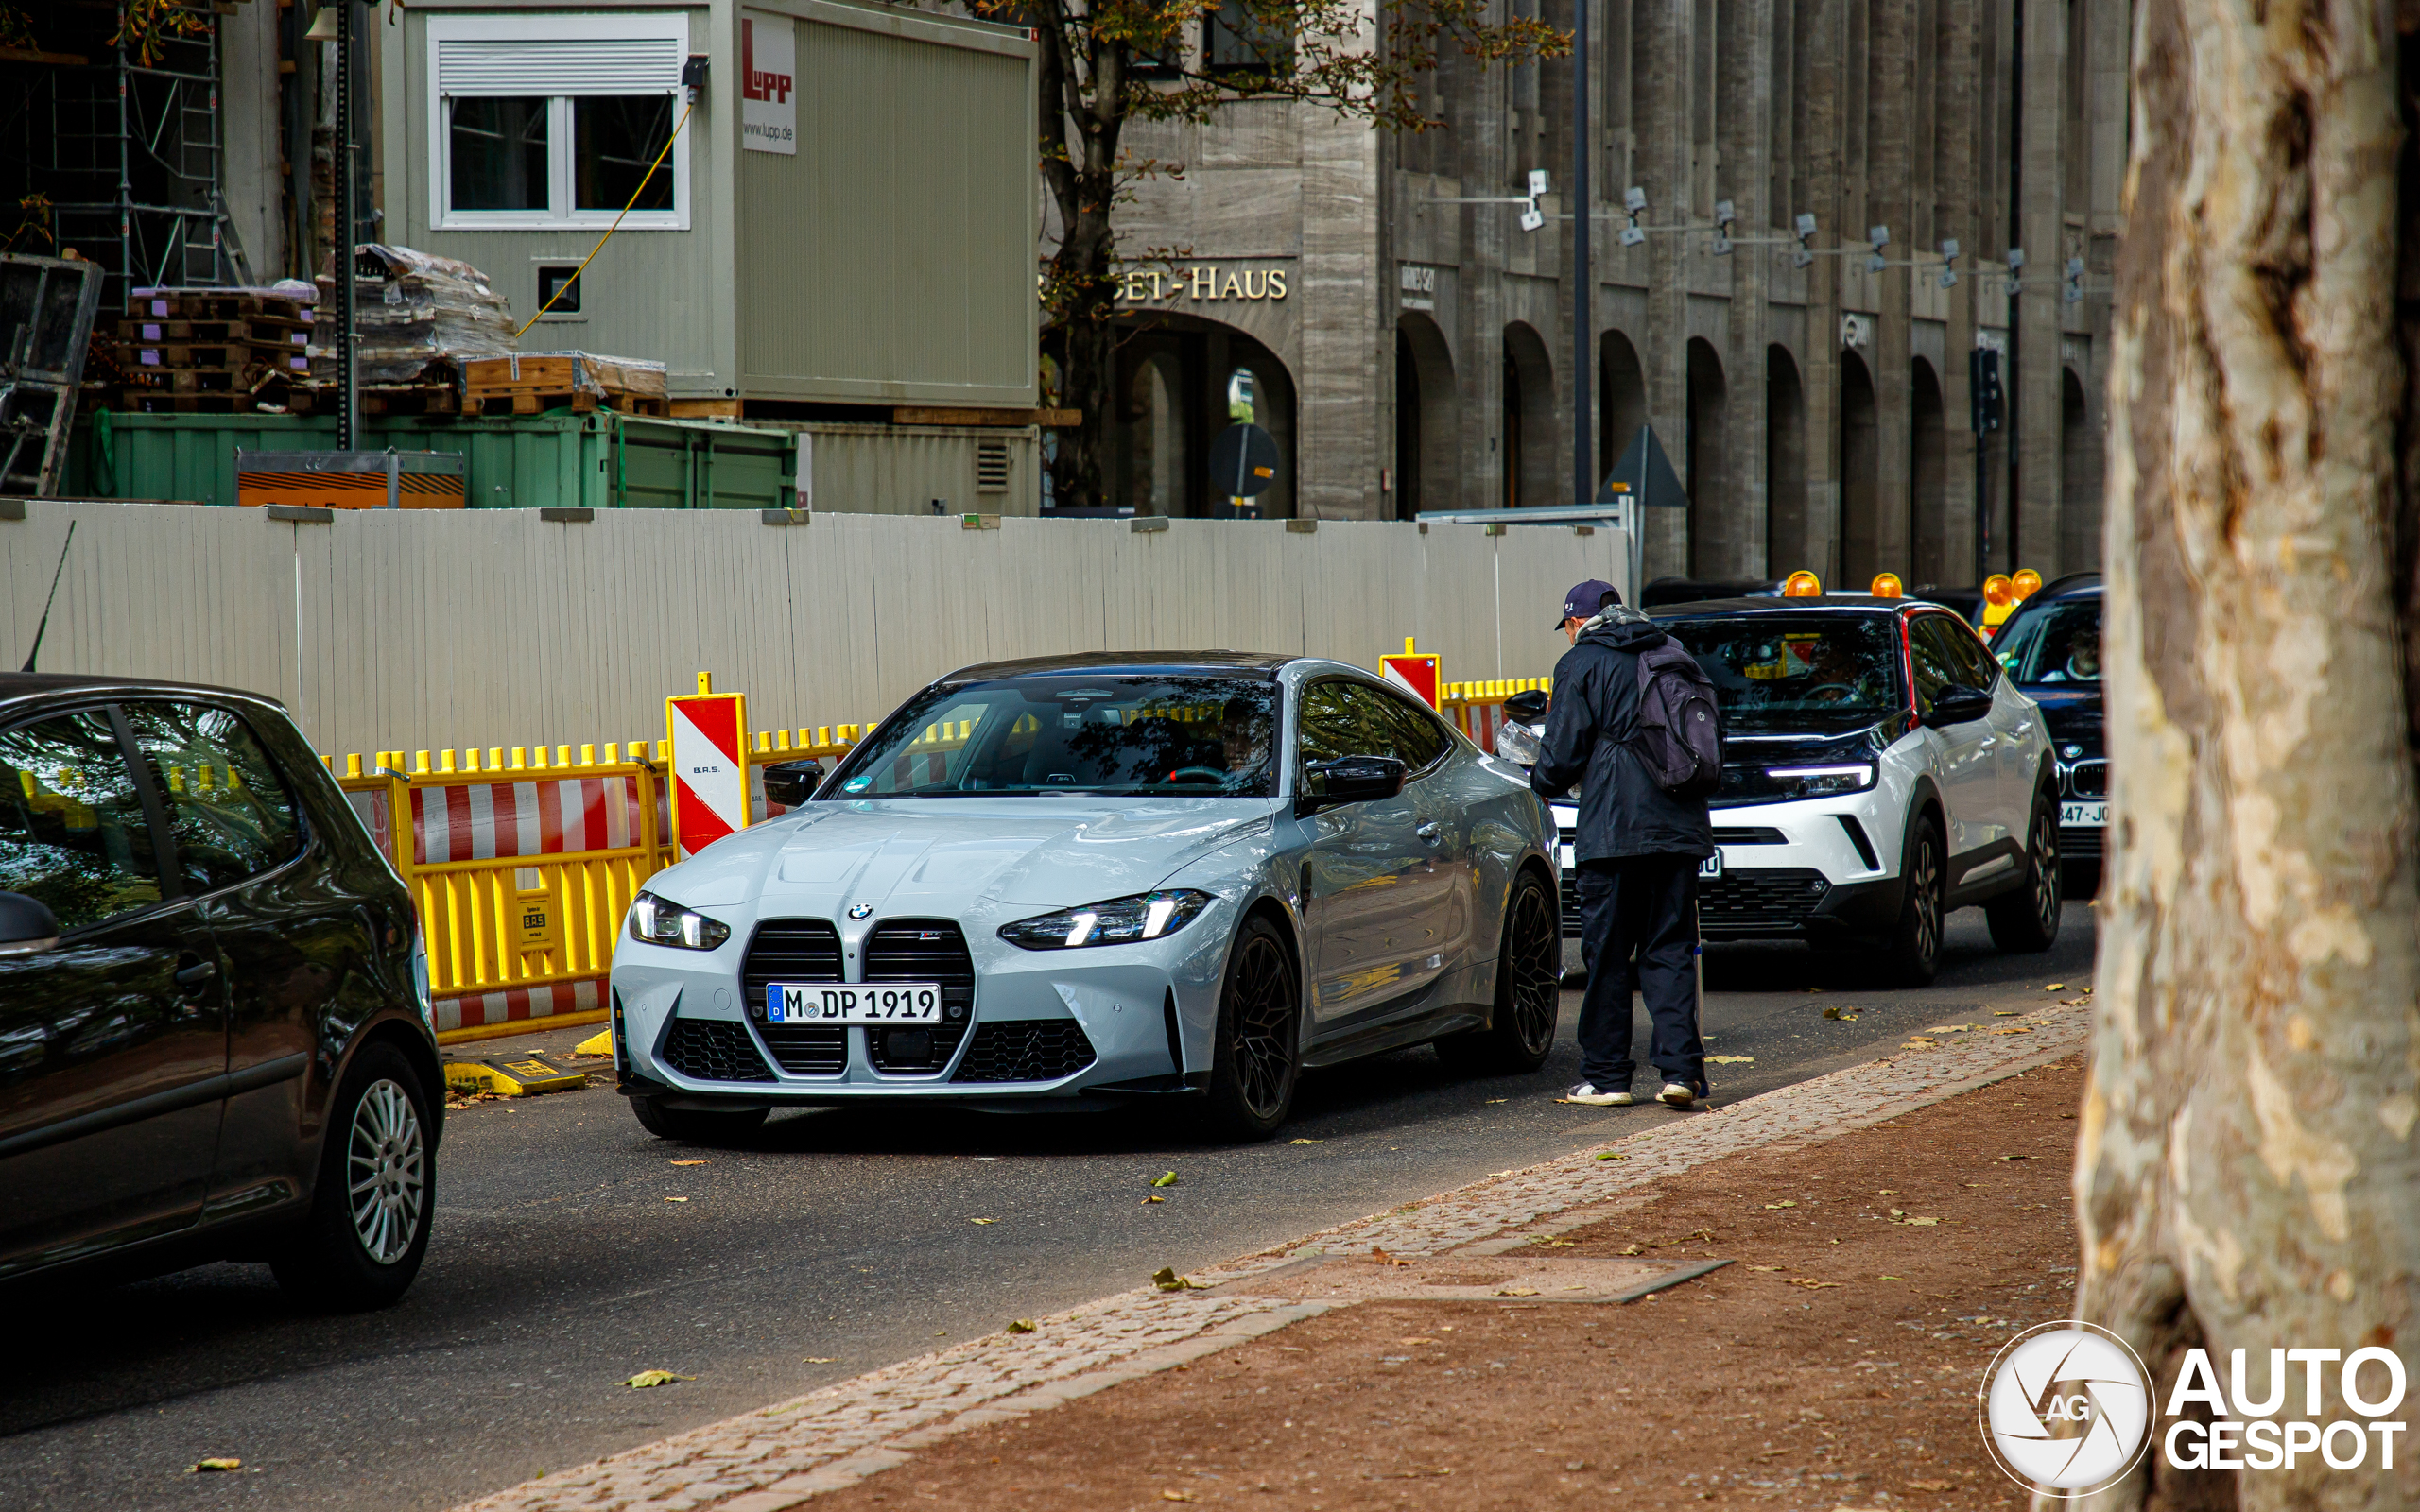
(2084, 815)
(1711, 866)
(873, 1003)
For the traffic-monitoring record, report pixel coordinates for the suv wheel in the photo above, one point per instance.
(367, 1229)
(1915, 941)
(1529, 991)
(2027, 921)
(1257, 1057)
(695, 1125)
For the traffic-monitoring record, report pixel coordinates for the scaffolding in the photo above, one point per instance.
(120, 132)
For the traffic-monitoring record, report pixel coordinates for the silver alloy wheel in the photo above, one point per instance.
(387, 1172)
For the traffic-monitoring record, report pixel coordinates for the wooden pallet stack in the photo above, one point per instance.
(210, 352)
(578, 381)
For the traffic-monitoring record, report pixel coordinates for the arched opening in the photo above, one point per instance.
(1427, 418)
(1623, 409)
(1529, 418)
(1928, 478)
(1707, 476)
(1860, 520)
(2079, 481)
(1785, 463)
(1181, 382)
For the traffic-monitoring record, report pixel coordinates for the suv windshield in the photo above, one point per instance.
(2057, 643)
(1777, 670)
(1195, 737)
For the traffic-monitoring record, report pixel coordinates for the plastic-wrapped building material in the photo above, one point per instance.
(413, 313)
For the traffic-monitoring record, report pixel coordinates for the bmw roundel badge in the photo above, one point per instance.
(860, 910)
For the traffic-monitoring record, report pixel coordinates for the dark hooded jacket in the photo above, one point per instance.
(1622, 811)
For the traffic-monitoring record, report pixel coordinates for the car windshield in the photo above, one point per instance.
(1171, 735)
(1778, 670)
(2057, 643)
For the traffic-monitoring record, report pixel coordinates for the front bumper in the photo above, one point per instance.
(1819, 869)
(1070, 1025)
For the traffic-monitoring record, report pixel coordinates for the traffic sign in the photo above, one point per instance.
(1243, 461)
(709, 764)
(1414, 671)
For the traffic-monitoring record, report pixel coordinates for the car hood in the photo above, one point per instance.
(2070, 716)
(939, 855)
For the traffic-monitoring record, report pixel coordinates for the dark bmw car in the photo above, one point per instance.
(2051, 649)
(214, 1039)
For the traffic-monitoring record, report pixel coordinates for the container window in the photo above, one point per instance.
(499, 149)
(615, 139)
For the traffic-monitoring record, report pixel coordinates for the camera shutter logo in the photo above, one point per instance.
(2066, 1407)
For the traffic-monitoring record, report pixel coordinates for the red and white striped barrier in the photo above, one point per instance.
(482, 821)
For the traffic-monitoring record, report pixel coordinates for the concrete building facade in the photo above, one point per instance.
(1412, 349)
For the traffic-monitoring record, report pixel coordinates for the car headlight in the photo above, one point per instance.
(1822, 782)
(1118, 921)
(1517, 742)
(662, 922)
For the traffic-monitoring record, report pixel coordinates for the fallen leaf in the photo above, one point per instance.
(1922, 1223)
(1891, 1278)
(1493, 1101)
(1416, 1339)
(1764, 1267)
(1023, 1325)
(1166, 1279)
(1771, 1207)
(1633, 1251)
(1551, 1242)
(1289, 1142)
(2056, 987)
(1611, 1154)
(1176, 1496)
(1379, 1257)
(1167, 1181)
(676, 1200)
(1147, 1201)
(1518, 1291)
(982, 1220)
(654, 1378)
(2016, 1157)
(205, 1465)
(1813, 1285)
(2004, 1013)
(1840, 1013)
(688, 1162)
(822, 1359)
(1929, 1486)
(1730, 1060)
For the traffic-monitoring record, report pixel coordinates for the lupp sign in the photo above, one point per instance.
(709, 766)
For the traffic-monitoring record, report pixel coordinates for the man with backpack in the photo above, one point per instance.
(1633, 724)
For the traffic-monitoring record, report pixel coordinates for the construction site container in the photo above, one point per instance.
(601, 460)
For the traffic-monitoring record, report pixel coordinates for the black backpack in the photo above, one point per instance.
(1679, 739)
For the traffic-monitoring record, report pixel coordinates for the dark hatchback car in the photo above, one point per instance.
(214, 1041)
(2051, 649)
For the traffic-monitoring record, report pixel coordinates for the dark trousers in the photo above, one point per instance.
(1638, 933)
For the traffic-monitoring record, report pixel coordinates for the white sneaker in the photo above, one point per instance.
(1594, 1097)
(1678, 1094)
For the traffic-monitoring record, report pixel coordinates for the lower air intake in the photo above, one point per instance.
(1025, 1050)
(714, 1050)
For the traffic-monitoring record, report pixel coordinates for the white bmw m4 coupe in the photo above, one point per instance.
(1083, 879)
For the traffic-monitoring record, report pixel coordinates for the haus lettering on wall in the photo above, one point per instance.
(1201, 283)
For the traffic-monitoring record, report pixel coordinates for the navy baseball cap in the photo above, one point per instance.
(1586, 601)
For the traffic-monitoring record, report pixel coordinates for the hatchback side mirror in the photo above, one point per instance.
(1958, 704)
(27, 927)
(1348, 780)
(1528, 706)
(791, 783)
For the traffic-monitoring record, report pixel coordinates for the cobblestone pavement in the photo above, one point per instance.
(784, 1456)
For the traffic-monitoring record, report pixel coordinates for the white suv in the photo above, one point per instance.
(1878, 770)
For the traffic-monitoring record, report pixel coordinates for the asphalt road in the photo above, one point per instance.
(833, 1244)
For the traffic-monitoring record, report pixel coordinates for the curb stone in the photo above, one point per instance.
(781, 1456)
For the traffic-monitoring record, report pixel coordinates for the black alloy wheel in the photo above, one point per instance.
(2026, 921)
(1257, 1061)
(1529, 988)
(1915, 942)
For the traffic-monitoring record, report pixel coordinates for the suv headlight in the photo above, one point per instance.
(1118, 921)
(662, 922)
(1822, 782)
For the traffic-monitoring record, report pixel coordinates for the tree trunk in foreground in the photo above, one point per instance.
(2246, 1176)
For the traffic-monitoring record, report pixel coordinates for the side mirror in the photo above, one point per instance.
(1528, 707)
(791, 783)
(1958, 704)
(1348, 780)
(27, 927)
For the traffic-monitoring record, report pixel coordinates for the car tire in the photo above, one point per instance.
(1529, 991)
(1257, 1060)
(2026, 921)
(372, 1208)
(1914, 947)
(696, 1125)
